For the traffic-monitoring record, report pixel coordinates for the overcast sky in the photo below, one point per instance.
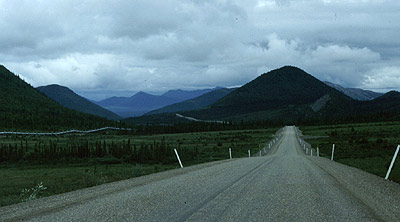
(102, 48)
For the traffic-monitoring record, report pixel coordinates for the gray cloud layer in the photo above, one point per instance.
(101, 48)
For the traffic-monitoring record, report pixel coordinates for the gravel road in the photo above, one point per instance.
(283, 186)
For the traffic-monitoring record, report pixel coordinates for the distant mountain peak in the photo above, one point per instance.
(186, 94)
(140, 94)
(289, 67)
(68, 98)
(355, 93)
(195, 103)
(285, 74)
(289, 70)
(55, 87)
(142, 102)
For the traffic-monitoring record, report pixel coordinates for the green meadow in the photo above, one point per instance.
(368, 146)
(71, 162)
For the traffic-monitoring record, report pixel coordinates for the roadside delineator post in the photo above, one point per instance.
(306, 150)
(230, 153)
(317, 151)
(249, 152)
(392, 163)
(179, 159)
(304, 147)
(260, 152)
(333, 151)
(311, 151)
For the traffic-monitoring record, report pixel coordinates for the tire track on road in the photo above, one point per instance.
(255, 171)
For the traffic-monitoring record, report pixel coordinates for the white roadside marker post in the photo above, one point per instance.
(230, 153)
(265, 150)
(317, 152)
(306, 150)
(269, 146)
(179, 159)
(249, 152)
(304, 147)
(391, 164)
(311, 151)
(333, 151)
(260, 153)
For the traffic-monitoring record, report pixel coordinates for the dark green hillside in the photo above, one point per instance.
(276, 89)
(24, 108)
(195, 103)
(66, 97)
(288, 92)
(385, 107)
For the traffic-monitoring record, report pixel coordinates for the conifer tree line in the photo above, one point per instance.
(109, 152)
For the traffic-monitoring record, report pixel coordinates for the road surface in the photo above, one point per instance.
(283, 186)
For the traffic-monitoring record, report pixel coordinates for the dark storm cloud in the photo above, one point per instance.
(125, 46)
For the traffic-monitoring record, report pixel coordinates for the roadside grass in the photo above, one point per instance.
(368, 146)
(61, 176)
(65, 178)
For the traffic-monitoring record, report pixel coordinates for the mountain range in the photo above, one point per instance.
(68, 98)
(288, 95)
(25, 108)
(195, 103)
(142, 102)
(355, 93)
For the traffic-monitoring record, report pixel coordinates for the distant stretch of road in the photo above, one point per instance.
(283, 186)
(198, 120)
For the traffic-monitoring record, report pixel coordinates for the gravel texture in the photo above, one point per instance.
(283, 186)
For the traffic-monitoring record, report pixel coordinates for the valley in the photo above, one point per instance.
(244, 119)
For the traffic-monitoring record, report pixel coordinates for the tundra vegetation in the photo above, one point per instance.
(70, 162)
(368, 146)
